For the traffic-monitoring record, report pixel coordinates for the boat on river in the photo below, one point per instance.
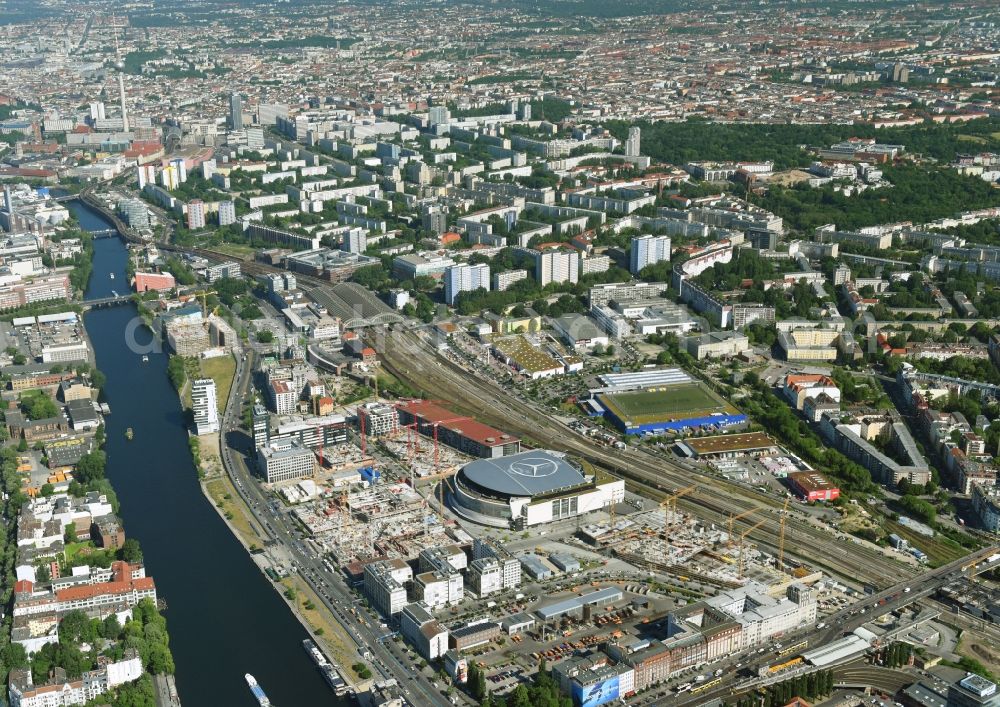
(257, 691)
(129, 434)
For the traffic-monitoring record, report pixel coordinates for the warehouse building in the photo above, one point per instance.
(458, 431)
(812, 486)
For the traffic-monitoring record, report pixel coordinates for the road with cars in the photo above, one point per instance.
(387, 657)
(849, 618)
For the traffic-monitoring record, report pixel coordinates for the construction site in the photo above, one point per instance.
(383, 520)
(673, 542)
(423, 458)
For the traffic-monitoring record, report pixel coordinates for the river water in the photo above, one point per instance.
(224, 618)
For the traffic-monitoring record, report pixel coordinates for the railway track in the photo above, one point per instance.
(414, 361)
(715, 500)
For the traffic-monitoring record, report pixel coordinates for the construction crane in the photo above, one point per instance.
(733, 519)
(438, 423)
(669, 504)
(742, 538)
(781, 536)
(364, 436)
(203, 294)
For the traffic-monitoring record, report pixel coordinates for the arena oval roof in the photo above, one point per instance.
(531, 473)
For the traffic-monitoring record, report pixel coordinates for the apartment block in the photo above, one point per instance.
(465, 278)
(557, 266)
(648, 250)
(205, 406)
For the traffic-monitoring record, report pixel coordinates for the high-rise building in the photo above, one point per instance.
(355, 241)
(195, 214)
(147, 175)
(205, 406)
(227, 212)
(632, 143)
(524, 113)
(255, 138)
(647, 250)
(557, 266)
(435, 220)
(841, 275)
(236, 111)
(168, 177)
(97, 111)
(268, 113)
(438, 115)
(465, 278)
(181, 168)
(261, 426)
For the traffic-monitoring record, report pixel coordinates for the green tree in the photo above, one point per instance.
(91, 467)
(131, 551)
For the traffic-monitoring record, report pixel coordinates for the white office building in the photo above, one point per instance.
(384, 585)
(285, 459)
(485, 576)
(465, 278)
(205, 406)
(437, 589)
(421, 629)
(648, 250)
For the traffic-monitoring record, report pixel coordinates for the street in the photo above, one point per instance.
(387, 657)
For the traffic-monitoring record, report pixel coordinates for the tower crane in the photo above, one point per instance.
(669, 504)
(733, 519)
(203, 294)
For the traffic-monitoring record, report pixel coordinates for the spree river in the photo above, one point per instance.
(224, 618)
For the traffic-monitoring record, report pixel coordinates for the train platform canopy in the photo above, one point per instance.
(836, 651)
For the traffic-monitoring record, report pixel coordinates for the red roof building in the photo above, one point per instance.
(813, 486)
(146, 281)
(458, 431)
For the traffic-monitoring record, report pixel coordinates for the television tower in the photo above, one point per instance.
(120, 66)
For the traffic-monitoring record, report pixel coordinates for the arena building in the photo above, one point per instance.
(526, 489)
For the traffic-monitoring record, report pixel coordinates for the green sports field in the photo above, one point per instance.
(673, 402)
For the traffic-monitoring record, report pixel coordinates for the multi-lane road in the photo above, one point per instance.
(387, 658)
(865, 609)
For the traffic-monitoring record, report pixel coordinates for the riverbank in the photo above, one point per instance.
(218, 488)
(225, 619)
(302, 600)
